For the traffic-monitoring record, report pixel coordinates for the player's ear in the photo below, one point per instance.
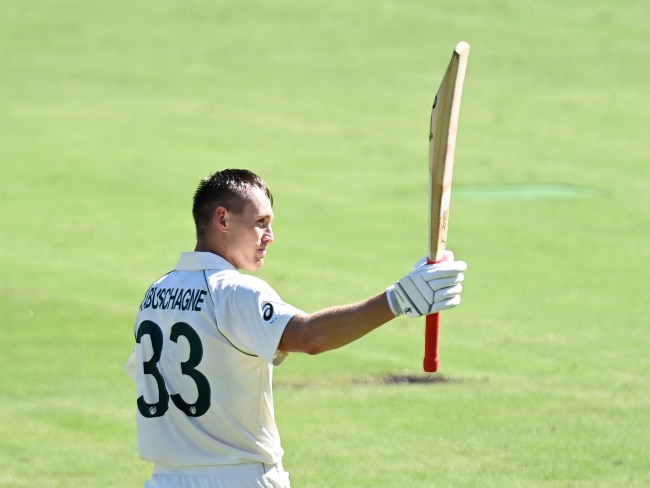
(220, 218)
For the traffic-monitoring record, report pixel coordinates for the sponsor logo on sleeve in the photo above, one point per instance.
(268, 313)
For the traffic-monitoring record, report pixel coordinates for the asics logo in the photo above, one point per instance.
(267, 312)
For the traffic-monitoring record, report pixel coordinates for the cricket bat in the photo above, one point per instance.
(442, 146)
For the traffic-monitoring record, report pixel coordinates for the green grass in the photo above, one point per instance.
(110, 112)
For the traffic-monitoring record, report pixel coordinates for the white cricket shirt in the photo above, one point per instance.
(206, 341)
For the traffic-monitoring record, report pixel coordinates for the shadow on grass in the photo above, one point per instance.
(387, 380)
(401, 379)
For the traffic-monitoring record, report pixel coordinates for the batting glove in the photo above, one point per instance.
(428, 289)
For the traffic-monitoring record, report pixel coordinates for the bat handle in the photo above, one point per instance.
(431, 335)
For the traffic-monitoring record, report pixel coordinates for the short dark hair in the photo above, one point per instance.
(228, 188)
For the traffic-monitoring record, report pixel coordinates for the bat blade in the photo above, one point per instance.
(442, 147)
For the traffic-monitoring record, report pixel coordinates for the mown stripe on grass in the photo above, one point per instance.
(526, 192)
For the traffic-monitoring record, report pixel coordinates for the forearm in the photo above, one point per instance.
(335, 327)
(429, 288)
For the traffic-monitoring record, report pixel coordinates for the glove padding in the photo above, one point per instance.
(428, 289)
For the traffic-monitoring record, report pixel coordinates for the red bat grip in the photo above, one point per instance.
(431, 334)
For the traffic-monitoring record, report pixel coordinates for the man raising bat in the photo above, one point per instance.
(207, 338)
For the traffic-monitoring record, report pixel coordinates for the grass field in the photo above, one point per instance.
(110, 112)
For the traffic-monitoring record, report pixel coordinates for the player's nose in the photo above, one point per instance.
(268, 236)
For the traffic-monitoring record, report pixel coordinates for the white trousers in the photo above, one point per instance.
(247, 475)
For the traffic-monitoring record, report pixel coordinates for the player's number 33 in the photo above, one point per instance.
(188, 368)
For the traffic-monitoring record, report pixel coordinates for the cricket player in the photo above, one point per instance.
(207, 338)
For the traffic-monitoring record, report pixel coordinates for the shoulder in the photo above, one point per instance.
(235, 280)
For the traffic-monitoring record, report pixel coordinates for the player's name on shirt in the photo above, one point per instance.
(174, 299)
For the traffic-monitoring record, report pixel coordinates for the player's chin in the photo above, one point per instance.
(258, 262)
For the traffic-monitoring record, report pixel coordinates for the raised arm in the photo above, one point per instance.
(334, 327)
(425, 290)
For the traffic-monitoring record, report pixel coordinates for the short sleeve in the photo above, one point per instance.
(251, 315)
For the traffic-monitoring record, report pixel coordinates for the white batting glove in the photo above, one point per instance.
(429, 288)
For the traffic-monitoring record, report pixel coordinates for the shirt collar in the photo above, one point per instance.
(198, 261)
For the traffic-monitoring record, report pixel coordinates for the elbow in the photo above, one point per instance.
(313, 347)
(300, 336)
(306, 347)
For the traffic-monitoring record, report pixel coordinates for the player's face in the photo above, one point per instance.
(251, 232)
